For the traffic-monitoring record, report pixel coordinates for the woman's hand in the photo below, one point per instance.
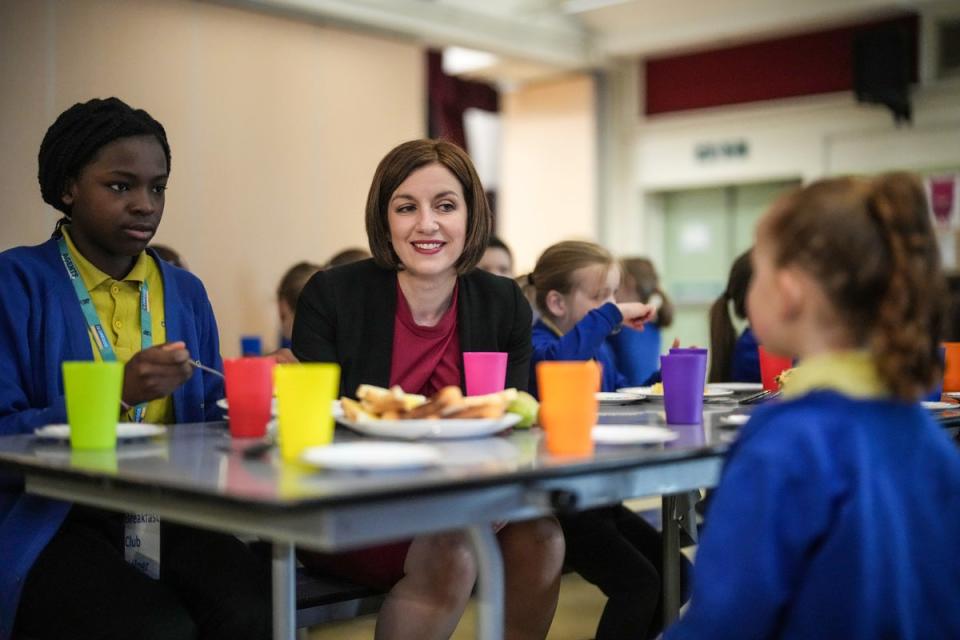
(636, 314)
(156, 372)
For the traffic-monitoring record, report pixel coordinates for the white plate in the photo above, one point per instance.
(649, 391)
(952, 394)
(372, 456)
(433, 429)
(936, 406)
(630, 434)
(736, 386)
(125, 431)
(736, 419)
(616, 397)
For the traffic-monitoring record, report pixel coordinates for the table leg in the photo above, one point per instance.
(284, 592)
(490, 598)
(671, 560)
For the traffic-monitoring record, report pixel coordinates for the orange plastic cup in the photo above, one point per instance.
(770, 367)
(568, 405)
(951, 371)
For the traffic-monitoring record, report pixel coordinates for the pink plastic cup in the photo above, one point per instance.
(485, 371)
(249, 383)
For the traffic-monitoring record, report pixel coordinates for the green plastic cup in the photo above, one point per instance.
(93, 403)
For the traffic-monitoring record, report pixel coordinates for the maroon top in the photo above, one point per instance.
(425, 359)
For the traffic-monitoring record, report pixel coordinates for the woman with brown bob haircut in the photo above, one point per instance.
(404, 318)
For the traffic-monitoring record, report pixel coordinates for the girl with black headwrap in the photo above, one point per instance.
(79, 296)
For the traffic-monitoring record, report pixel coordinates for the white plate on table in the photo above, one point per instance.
(373, 456)
(632, 434)
(658, 392)
(434, 429)
(125, 431)
(618, 397)
(737, 387)
(952, 394)
(937, 406)
(735, 419)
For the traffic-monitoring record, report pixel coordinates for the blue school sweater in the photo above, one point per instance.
(746, 359)
(586, 341)
(834, 518)
(41, 325)
(637, 353)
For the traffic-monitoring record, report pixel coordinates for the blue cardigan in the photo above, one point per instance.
(586, 341)
(41, 325)
(834, 518)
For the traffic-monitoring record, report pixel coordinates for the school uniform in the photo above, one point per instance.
(837, 516)
(50, 548)
(585, 341)
(637, 353)
(745, 365)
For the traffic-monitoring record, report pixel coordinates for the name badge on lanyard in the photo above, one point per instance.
(141, 536)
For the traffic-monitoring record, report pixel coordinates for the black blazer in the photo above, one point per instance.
(346, 315)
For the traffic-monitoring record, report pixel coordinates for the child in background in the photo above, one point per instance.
(838, 511)
(347, 256)
(105, 166)
(611, 547)
(637, 353)
(497, 259)
(288, 293)
(732, 358)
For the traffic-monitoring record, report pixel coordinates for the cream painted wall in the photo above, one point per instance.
(804, 138)
(548, 184)
(276, 127)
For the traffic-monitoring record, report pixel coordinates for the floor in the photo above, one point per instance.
(577, 612)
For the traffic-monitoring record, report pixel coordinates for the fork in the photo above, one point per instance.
(204, 367)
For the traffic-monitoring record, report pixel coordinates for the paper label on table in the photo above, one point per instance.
(141, 542)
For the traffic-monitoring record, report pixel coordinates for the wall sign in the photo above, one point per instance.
(724, 150)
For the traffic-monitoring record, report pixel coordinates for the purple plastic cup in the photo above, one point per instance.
(693, 350)
(683, 375)
(484, 371)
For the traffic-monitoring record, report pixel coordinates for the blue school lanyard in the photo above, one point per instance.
(93, 320)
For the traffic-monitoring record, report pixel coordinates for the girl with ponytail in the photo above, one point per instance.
(733, 358)
(832, 500)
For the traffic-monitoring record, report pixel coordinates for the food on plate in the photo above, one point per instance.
(377, 403)
(783, 377)
(657, 389)
(525, 406)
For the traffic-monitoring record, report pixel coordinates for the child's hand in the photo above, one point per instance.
(156, 372)
(635, 314)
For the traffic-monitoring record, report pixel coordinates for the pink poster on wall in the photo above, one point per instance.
(942, 198)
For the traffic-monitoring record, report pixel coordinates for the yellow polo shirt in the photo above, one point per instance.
(852, 373)
(117, 303)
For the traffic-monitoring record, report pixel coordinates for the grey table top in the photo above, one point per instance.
(201, 462)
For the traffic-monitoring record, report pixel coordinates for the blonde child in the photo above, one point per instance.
(611, 547)
(838, 512)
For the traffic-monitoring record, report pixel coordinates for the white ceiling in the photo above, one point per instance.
(536, 38)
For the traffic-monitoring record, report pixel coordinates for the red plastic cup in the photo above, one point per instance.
(484, 371)
(249, 383)
(770, 367)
